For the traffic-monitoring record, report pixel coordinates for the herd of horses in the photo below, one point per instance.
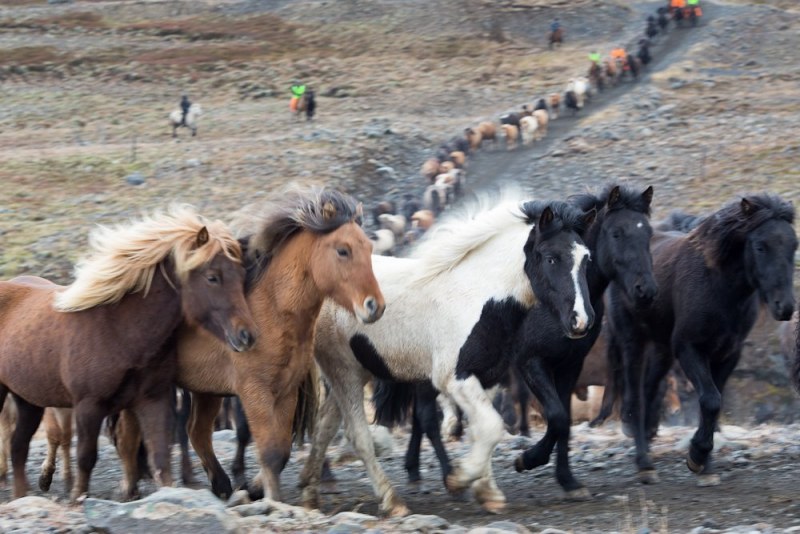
(175, 301)
(445, 172)
(291, 287)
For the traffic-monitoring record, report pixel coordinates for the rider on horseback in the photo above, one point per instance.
(555, 25)
(185, 105)
(595, 57)
(298, 90)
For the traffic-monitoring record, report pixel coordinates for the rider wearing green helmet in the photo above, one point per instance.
(693, 2)
(594, 57)
(298, 89)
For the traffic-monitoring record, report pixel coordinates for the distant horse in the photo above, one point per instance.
(555, 37)
(451, 310)
(192, 117)
(663, 19)
(106, 342)
(611, 72)
(710, 283)
(303, 248)
(596, 77)
(550, 363)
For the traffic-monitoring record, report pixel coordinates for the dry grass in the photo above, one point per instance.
(32, 55)
(71, 20)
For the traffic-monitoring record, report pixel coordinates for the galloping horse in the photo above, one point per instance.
(192, 116)
(107, 342)
(555, 37)
(549, 362)
(302, 248)
(710, 280)
(452, 308)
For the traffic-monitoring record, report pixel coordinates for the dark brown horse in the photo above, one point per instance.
(304, 248)
(555, 37)
(107, 342)
(712, 281)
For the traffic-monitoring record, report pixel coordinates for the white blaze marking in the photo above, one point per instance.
(639, 224)
(579, 252)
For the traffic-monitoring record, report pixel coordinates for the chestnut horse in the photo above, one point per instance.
(302, 249)
(107, 342)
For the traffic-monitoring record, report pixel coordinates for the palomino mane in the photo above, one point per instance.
(720, 234)
(266, 226)
(475, 224)
(629, 198)
(124, 258)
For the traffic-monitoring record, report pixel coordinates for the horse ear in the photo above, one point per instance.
(360, 211)
(748, 208)
(589, 217)
(202, 237)
(546, 218)
(328, 211)
(648, 195)
(613, 196)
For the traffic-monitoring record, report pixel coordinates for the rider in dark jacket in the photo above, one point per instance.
(185, 105)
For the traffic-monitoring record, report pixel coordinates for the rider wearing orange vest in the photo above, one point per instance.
(677, 4)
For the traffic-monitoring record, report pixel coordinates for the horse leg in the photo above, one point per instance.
(270, 418)
(157, 421)
(89, 419)
(486, 429)
(64, 418)
(523, 399)
(28, 419)
(243, 437)
(351, 406)
(565, 384)
(183, 410)
(53, 433)
(415, 441)
(633, 405)
(7, 423)
(328, 420)
(201, 427)
(128, 440)
(429, 422)
(696, 367)
(657, 368)
(614, 381)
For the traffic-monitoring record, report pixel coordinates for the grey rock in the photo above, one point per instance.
(422, 523)
(194, 162)
(509, 526)
(135, 178)
(167, 510)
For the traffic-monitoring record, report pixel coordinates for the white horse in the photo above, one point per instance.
(192, 117)
(451, 309)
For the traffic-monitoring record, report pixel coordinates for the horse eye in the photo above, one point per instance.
(213, 278)
(551, 260)
(616, 235)
(343, 252)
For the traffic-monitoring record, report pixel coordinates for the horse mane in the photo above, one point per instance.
(679, 221)
(471, 226)
(720, 234)
(629, 198)
(124, 258)
(565, 216)
(268, 225)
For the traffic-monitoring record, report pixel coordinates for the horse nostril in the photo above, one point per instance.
(246, 337)
(371, 305)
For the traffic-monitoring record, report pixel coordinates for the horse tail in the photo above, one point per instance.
(392, 401)
(305, 414)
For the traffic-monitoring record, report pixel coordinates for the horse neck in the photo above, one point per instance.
(596, 280)
(156, 315)
(287, 291)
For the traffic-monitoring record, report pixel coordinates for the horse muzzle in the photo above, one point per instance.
(241, 340)
(371, 310)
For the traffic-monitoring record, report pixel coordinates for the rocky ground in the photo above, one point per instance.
(86, 87)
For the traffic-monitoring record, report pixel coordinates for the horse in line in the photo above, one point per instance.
(473, 278)
(107, 342)
(555, 37)
(302, 248)
(711, 282)
(192, 118)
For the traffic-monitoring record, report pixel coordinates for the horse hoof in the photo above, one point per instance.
(579, 494)
(627, 429)
(45, 482)
(648, 476)
(494, 507)
(454, 484)
(693, 466)
(709, 480)
(400, 510)
(519, 464)
(310, 498)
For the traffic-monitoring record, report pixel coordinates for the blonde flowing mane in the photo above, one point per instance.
(449, 242)
(124, 258)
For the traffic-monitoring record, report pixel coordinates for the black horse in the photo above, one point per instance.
(711, 281)
(652, 30)
(550, 363)
(644, 52)
(663, 19)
